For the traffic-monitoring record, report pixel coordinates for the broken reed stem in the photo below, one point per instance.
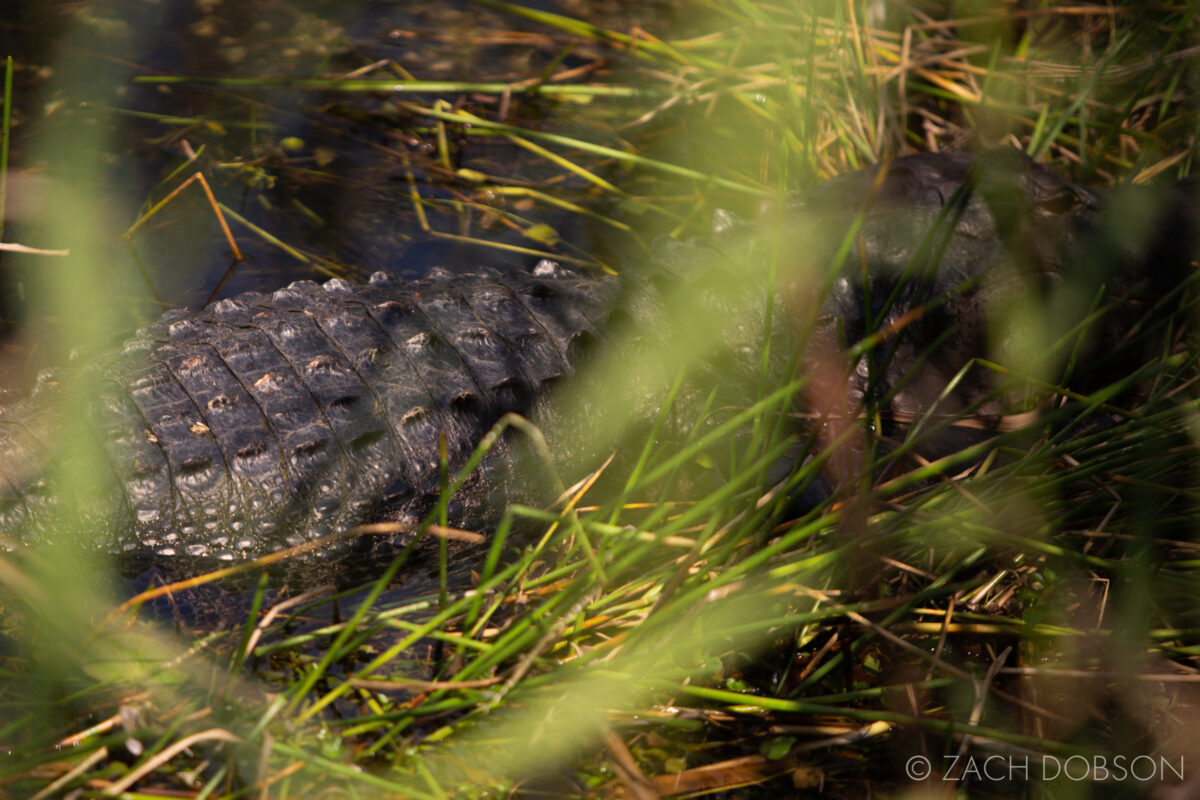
(198, 176)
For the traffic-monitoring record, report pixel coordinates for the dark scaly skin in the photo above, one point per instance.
(268, 421)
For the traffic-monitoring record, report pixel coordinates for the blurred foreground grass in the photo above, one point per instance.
(1032, 599)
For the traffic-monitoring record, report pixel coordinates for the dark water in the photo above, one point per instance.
(335, 177)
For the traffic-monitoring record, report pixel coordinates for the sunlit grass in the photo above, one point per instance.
(666, 629)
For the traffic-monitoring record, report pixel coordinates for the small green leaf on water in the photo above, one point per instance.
(292, 143)
(474, 176)
(739, 685)
(777, 748)
(542, 233)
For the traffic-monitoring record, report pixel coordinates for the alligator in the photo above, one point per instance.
(270, 420)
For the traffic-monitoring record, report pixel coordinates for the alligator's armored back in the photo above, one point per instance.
(268, 420)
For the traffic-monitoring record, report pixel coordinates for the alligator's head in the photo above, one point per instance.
(930, 264)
